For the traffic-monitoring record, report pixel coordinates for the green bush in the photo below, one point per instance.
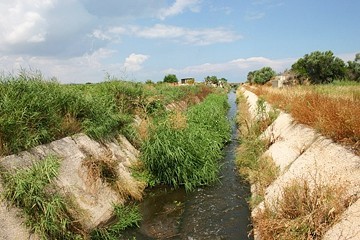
(170, 78)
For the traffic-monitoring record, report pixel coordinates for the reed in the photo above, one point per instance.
(188, 155)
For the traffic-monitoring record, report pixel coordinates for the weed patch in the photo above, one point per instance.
(259, 171)
(126, 216)
(301, 212)
(35, 111)
(45, 210)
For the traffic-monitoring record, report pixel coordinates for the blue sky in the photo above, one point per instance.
(80, 41)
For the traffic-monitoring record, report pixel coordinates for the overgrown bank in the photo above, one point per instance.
(95, 175)
(301, 194)
(35, 111)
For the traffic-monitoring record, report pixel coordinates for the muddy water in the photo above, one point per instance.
(219, 211)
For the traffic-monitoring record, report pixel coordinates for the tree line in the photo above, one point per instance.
(316, 67)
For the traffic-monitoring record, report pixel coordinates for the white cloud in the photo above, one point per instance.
(86, 68)
(254, 15)
(178, 7)
(23, 21)
(44, 27)
(205, 36)
(241, 66)
(134, 61)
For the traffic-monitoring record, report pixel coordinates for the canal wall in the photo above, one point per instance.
(92, 197)
(302, 153)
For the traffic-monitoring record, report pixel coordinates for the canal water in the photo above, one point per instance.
(212, 212)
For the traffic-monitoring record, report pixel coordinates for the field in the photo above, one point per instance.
(333, 110)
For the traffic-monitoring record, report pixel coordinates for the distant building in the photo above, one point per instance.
(278, 82)
(189, 81)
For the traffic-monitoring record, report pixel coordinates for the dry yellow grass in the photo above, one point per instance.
(332, 110)
(302, 212)
(107, 170)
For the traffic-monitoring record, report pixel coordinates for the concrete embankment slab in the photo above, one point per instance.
(12, 226)
(302, 153)
(324, 162)
(348, 227)
(93, 197)
(289, 140)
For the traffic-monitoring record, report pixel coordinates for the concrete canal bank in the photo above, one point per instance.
(301, 153)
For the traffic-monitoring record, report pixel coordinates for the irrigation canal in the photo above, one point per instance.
(213, 212)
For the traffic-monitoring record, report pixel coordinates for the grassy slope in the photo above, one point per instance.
(34, 111)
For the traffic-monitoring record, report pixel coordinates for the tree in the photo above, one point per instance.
(170, 78)
(263, 75)
(320, 67)
(211, 80)
(250, 77)
(353, 69)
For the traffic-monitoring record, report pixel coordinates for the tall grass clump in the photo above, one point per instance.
(257, 170)
(187, 154)
(302, 212)
(45, 210)
(34, 111)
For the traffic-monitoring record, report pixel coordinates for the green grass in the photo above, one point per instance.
(127, 216)
(44, 209)
(35, 111)
(188, 154)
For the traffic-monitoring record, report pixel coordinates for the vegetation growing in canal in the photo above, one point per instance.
(185, 151)
(46, 212)
(126, 216)
(259, 171)
(302, 212)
